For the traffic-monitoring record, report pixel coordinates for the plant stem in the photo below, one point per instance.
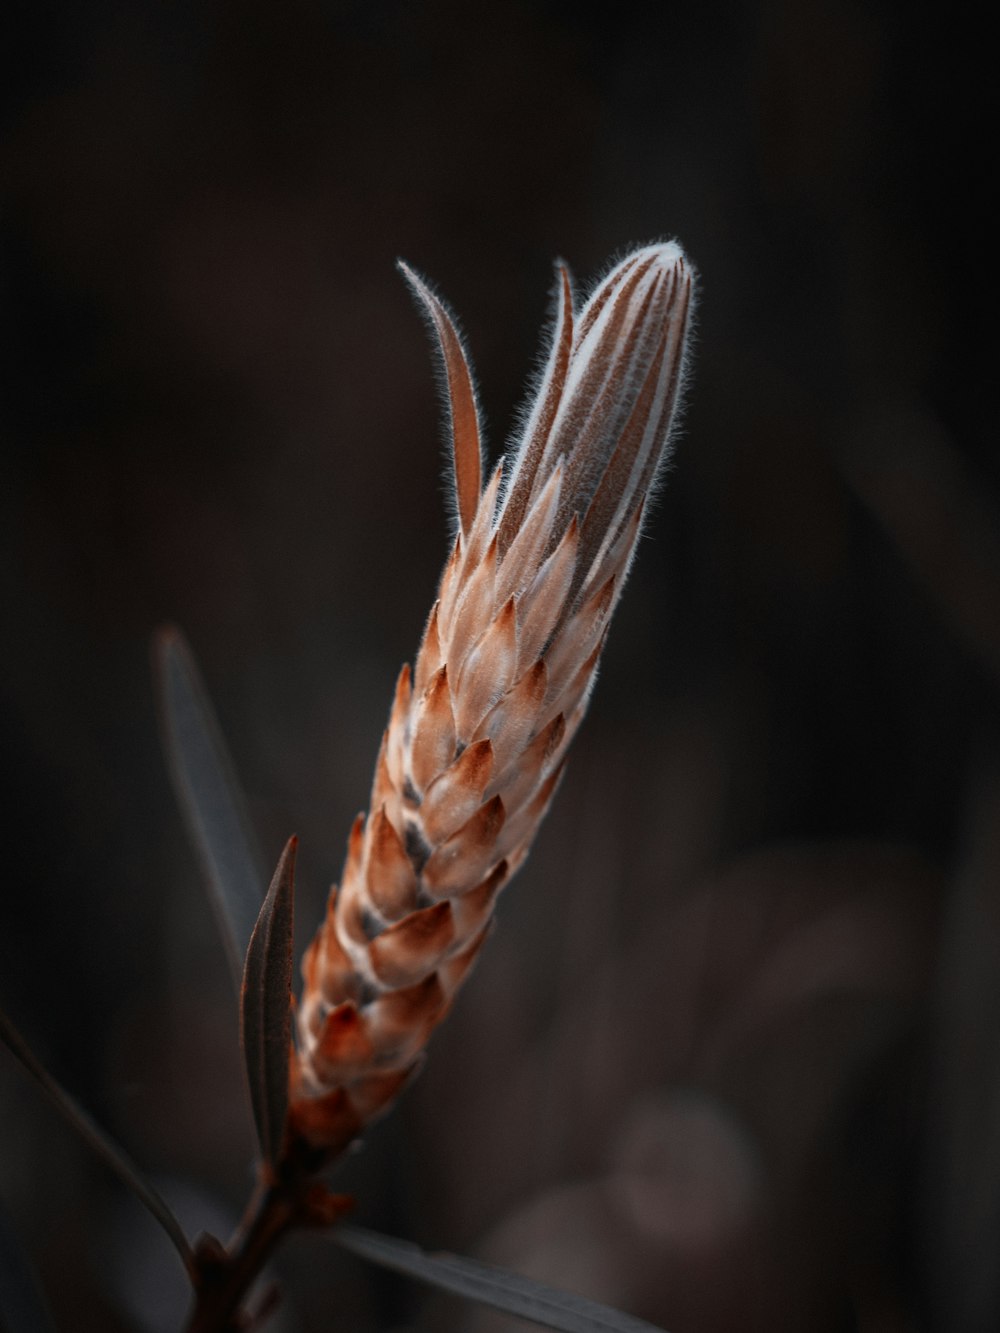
(286, 1197)
(227, 1276)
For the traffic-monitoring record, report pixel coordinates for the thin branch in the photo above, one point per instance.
(226, 1277)
(113, 1156)
(283, 1200)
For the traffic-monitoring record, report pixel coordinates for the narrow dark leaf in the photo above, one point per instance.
(266, 1006)
(495, 1287)
(209, 794)
(22, 1307)
(98, 1139)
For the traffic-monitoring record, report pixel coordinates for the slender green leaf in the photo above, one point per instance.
(266, 1006)
(22, 1306)
(111, 1153)
(486, 1285)
(209, 794)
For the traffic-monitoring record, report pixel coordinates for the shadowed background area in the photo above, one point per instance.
(732, 1058)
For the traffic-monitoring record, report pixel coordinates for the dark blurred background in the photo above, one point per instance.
(732, 1060)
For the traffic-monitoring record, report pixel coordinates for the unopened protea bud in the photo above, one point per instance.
(478, 731)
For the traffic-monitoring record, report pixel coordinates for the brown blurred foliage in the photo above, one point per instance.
(731, 1060)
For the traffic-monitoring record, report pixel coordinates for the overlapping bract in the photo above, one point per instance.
(478, 731)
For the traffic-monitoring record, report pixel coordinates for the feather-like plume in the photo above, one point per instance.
(477, 736)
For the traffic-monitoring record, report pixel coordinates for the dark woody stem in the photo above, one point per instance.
(282, 1201)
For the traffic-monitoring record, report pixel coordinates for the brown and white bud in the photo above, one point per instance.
(477, 737)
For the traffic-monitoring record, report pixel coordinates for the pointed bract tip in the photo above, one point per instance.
(662, 255)
(666, 253)
(406, 271)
